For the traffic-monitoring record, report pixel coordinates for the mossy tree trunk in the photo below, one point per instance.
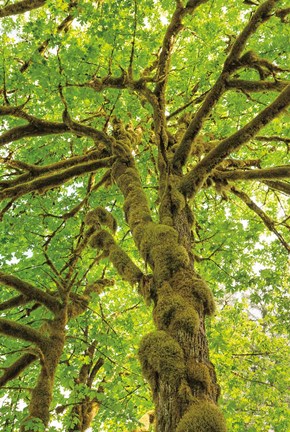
(50, 351)
(174, 358)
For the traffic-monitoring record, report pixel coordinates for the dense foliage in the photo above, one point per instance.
(207, 98)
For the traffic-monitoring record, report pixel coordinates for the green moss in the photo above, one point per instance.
(199, 373)
(161, 358)
(184, 395)
(173, 312)
(186, 320)
(159, 246)
(189, 284)
(102, 240)
(120, 260)
(101, 216)
(202, 417)
(128, 179)
(124, 265)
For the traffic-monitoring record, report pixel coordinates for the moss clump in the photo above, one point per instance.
(128, 180)
(136, 210)
(186, 320)
(102, 240)
(159, 246)
(202, 417)
(173, 312)
(101, 216)
(198, 373)
(190, 285)
(161, 358)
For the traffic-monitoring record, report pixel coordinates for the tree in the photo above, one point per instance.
(144, 144)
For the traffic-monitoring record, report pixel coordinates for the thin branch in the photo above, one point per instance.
(130, 68)
(62, 27)
(262, 215)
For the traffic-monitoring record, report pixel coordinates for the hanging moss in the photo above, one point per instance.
(202, 417)
(189, 284)
(161, 356)
(101, 216)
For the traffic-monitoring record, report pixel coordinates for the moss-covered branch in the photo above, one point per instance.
(38, 127)
(280, 186)
(46, 182)
(30, 291)
(262, 215)
(14, 302)
(262, 14)
(256, 86)
(20, 331)
(256, 174)
(33, 171)
(173, 29)
(120, 260)
(32, 130)
(231, 62)
(195, 178)
(21, 7)
(15, 369)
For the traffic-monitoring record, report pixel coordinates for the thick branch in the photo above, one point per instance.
(256, 86)
(42, 128)
(195, 178)
(280, 186)
(174, 27)
(261, 15)
(30, 291)
(14, 370)
(262, 215)
(14, 302)
(49, 181)
(20, 331)
(21, 7)
(183, 151)
(36, 170)
(256, 174)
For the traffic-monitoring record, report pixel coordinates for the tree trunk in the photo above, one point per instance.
(174, 358)
(41, 395)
